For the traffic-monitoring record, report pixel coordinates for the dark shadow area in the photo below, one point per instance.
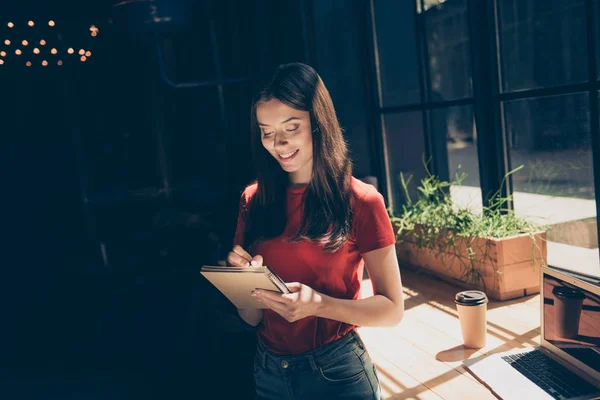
(125, 135)
(457, 353)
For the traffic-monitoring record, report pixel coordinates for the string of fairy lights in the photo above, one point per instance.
(38, 51)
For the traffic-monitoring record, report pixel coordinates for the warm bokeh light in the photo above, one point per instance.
(44, 63)
(25, 42)
(88, 53)
(83, 58)
(1, 62)
(10, 25)
(7, 42)
(51, 23)
(70, 50)
(30, 23)
(42, 42)
(81, 52)
(3, 53)
(36, 51)
(94, 30)
(28, 63)
(94, 34)
(59, 62)
(18, 52)
(53, 51)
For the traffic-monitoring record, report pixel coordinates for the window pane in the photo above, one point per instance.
(405, 147)
(453, 132)
(550, 137)
(397, 50)
(449, 50)
(543, 43)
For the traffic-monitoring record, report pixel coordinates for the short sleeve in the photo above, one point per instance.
(373, 228)
(238, 238)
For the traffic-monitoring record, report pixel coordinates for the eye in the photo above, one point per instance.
(293, 130)
(267, 134)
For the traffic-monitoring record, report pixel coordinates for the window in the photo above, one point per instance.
(538, 115)
(397, 52)
(550, 138)
(404, 147)
(535, 34)
(449, 52)
(454, 129)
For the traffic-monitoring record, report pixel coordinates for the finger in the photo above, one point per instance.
(294, 286)
(277, 297)
(275, 306)
(237, 249)
(257, 261)
(291, 298)
(236, 260)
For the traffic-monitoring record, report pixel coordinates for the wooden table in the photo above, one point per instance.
(421, 358)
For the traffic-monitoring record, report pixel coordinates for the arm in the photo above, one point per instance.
(384, 308)
(252, 316)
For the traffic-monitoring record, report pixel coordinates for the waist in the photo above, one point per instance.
(312, 358)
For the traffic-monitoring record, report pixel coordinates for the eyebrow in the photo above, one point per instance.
(283, 122)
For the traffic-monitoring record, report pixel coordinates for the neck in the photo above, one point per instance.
(298, 180)
(302, 177)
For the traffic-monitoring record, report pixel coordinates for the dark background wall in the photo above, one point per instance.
(119, 185)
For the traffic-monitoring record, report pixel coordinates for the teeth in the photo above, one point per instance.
(288, 155)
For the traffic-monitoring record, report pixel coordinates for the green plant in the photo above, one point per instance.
(436, 223)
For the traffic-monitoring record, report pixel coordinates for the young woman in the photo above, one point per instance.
(316, 226)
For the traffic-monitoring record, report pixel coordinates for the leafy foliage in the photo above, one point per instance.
(434, 222)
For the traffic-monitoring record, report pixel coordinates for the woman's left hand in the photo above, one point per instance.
(301, 303)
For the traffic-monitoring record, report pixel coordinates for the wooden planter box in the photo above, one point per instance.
(503, 268)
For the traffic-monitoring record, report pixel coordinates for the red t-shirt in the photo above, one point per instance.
(335, 274)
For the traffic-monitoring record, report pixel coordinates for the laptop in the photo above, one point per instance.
(567, 364)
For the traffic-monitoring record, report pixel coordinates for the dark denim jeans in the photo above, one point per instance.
(338, 370)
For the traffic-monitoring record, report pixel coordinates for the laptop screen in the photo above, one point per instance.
(572, 320)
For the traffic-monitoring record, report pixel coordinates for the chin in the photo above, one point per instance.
(289, 168)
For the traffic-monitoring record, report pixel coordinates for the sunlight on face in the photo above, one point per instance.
(287, 135)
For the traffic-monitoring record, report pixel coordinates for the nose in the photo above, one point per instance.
(280, 140)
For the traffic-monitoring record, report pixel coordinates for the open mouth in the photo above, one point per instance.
(287, 157)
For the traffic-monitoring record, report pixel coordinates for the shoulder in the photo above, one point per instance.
(372, 226)
(365, 194)
(247, 195)
(249, 192)
(368, 203)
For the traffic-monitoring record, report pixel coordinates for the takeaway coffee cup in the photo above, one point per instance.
(472, 313)
(567, 311)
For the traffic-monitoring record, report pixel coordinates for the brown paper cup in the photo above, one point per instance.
(472, 314)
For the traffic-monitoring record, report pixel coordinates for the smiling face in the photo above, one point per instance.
(287, 135)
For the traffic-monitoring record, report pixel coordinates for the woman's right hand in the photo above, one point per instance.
(238, 257)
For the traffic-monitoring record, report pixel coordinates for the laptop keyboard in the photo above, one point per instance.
(556, 380)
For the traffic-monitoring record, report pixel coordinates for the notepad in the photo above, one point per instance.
(237, 283)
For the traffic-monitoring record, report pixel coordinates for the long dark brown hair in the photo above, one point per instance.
(327, 216)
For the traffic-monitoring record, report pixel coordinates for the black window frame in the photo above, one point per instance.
(487, 99)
